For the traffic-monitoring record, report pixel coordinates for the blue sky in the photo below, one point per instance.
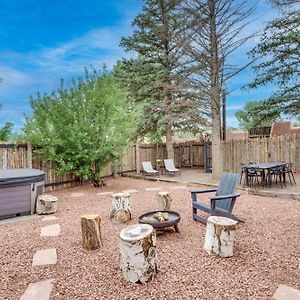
(43, 41)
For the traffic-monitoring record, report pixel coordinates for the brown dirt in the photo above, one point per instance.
(266, 251)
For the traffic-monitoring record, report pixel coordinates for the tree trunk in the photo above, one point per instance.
(167, 92)
(169, 141)
(219, 236)
(91, 232)
(217, 165)
(138, 259)
(96, 175)
(164, 201)
(120, 207)
(114, 169)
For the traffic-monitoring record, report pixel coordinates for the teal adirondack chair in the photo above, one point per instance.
(222, 203)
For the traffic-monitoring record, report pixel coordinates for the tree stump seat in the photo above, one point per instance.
(138, 259)
(91, 232)
(164, 201)
(46, 204)
(120, 207)
(219, 238)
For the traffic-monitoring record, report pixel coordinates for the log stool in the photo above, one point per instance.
(91, 232)
(120, 207)
(219, 236)
(164, 201)
(46, 204)
(138, 259)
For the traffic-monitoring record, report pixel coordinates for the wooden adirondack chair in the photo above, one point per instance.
(222, 203)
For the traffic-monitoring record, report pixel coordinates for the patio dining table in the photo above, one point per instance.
(266, 166)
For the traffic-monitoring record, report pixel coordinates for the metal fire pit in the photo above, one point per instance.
(173, 220)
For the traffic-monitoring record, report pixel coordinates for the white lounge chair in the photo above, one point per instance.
(170, 167)
(148, 169)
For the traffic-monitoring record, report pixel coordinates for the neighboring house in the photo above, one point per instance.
(232, 134)
(282, 128)
(277, 128)
(262, 131)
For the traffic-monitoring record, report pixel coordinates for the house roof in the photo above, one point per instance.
(284, 127)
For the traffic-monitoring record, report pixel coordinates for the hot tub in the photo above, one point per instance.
(19, 189)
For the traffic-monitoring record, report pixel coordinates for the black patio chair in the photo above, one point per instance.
(243, 171)
(288, 170)
(278, 173)
(253, 175)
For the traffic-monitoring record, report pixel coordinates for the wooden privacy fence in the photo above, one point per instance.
(22, 155)
(190, 154)
(14, 156)
(277, 148)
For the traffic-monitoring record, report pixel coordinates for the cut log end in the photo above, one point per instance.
(161, 217)
(163, 194)
(90, 217)
(136, 232)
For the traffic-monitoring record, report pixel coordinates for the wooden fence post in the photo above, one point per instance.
(137, 157)
(191, 156)
(29, 156)
(296, 153)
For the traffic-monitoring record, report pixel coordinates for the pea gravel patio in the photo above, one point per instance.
(266, 251)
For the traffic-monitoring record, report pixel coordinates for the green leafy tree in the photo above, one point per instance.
(82, 127)
(157, 79)
(278, 60)
(6, 130)
(253, 114)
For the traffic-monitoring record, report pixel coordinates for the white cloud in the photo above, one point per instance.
(96, 47)
(234, 107)
(13, 78)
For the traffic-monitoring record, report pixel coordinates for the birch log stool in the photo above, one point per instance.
(120, 207)
(91, 232)
(219, 236)
(138, 259)
(46, 204)
(164, 201)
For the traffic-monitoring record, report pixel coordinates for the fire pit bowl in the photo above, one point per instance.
(173, 219)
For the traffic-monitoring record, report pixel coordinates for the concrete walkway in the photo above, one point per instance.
(198, 177)
(18, 219)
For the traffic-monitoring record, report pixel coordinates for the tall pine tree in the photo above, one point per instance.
(157, 78)
(278, 54)
(215, 30)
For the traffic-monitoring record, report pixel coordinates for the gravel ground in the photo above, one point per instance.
(266, 251)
